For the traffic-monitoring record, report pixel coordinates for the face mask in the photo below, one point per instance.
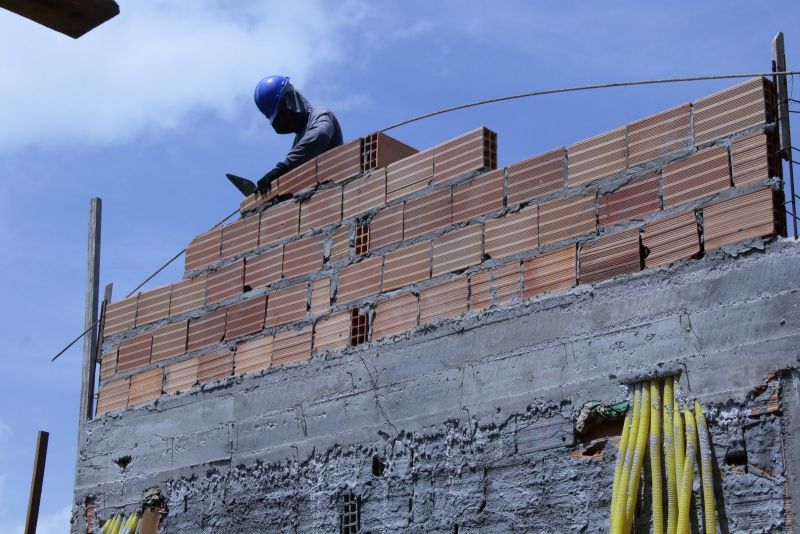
(285, 122)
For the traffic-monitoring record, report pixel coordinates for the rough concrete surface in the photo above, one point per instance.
(467, 425)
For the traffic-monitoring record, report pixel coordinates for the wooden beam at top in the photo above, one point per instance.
(70, 17)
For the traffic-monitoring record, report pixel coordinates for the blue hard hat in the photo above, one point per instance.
(268, 94)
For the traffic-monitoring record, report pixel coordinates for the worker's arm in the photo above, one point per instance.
(316, 138)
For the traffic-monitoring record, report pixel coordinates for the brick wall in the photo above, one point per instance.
(374, 238)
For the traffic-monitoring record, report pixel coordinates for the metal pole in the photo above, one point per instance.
(785, 132)
(90, 313)
(36, 482)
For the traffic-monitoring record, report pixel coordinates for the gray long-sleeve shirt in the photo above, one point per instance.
(320, 134)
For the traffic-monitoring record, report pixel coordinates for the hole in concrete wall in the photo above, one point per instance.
(410, 505)
(595, 448)
(602, 429)
(362, 239)
(350, 516)
(378, 467)
(359, 327)
(123, 461)
(736, 457)
(455, 529)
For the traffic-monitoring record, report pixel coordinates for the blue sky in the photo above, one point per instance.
(150, 111)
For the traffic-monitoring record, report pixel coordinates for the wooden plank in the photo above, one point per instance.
(36, 482)
(90, 341)
(70, 17)
(545, 434)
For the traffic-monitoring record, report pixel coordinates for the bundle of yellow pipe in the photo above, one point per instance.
(115, 525)
(653, 415)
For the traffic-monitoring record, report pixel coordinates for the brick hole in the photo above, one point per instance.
(350, 516)
(123, 462)
(736, 457)
(362, 239)
(602, 429)
(378, 467)
(359, 327)
(594, 449)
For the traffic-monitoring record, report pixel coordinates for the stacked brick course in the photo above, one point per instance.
(384, 238)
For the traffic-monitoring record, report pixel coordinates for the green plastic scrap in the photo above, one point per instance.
(594, 411)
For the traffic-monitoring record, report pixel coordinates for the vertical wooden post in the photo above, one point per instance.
(36, 482)
(90, 313)
(784, 128)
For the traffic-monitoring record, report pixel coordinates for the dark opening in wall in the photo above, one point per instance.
(359, 327)
(350, 516)
(123, 461)
(378, 467)
(362, 239)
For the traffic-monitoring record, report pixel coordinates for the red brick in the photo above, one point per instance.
(281, 221)
(253, 355)
(671, 239)
(754, 159)
(731, 110)
(495, 287)
(395, 315)
(535, 177)
(320, 297)
(635, 200)
(659, 135)
(473, 151)
(482, 195)
(303, 256)
(381, 150)
(406, 266)
(169, 341)
(566, 217)
(120, 316)
(248, 204)
(458, 249)
(514, 233)
(225, 283)
(340, 249)
(427, 213)
(287, 304)
(291, 346)
(298, 179)
(322, 209)
(744, 217)
(359, 280)
(701, 174)
(340, 163)
(408, 175)
(240, 236)
(145, 386)
(204, 250)
(113, 396)
(206, 331)
(134, 352)
(181, 376)
(364, 194)
(215, 365)
(332, 332)
(246, 317)
(552, 271)
(610, 256)
(597, 157)
(387, 227)
(443, 301)
(108, 364)
(264, 269)
(153, 305)
(188, 295)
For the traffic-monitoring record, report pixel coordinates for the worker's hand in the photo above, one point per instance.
(266, 180)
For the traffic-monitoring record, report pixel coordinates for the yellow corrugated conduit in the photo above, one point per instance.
(654, 415)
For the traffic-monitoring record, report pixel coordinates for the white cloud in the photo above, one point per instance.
(53, 523)
(155, 63)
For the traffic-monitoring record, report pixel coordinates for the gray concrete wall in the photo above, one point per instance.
(473, 419)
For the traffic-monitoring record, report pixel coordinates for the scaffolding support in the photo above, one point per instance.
(784, 127)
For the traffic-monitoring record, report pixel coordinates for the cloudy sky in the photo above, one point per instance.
(150, 111)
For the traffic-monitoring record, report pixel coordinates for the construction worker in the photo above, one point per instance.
(316, 129)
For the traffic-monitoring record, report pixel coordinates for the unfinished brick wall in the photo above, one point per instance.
(373, 239)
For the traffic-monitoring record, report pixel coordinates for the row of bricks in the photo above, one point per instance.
(701, 174)
(741, 107)
(675, 237)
